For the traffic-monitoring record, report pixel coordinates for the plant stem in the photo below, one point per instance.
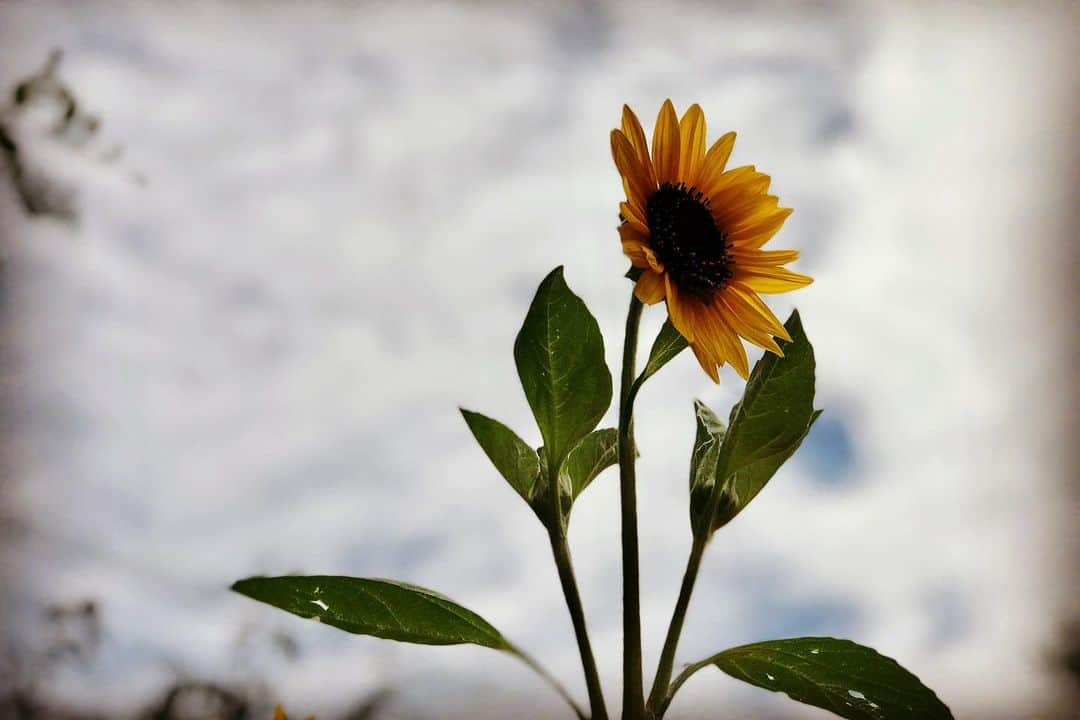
(561, 550)
(659, 692)
(633, 691)
(542, 672)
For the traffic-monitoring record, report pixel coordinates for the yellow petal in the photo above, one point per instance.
(650, 287)
(752, 310)
(632, 129)
(636, 252)
(763, 258)
(279, 714)
(744, 325)
(629, 232)
(715, 160)
(692, 145)
(715, 343)
(636, 246)
(633, 216)
(635, 178)
(771, 280)
(708, 364)
(737, 186)
(666, 145)
(748, 210)
(676, 310)
(734, 175)
(755, 234)
(725, 340)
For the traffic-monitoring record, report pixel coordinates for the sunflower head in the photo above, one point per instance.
(695, 231)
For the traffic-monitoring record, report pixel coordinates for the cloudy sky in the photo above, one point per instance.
(328, 221)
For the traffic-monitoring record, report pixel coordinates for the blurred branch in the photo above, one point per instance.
(200, 700)
(75, 634)
(40, 192)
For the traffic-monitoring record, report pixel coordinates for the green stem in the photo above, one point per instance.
(633, 690)
(542, 672)
(659, 692)
(561, 551)
(660, 697)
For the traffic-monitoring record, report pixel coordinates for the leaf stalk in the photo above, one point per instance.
(555, 684)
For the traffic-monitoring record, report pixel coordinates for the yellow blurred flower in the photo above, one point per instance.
(695, 231)
(279, 714)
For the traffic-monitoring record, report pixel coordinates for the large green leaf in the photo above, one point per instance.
(382, 608)
(710, 435)
(851, 680)
(511, 456)
(769, 423)
(668, 344)
(596, 452)
(745, 484)
(560, 359)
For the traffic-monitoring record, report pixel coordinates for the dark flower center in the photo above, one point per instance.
(686, 239)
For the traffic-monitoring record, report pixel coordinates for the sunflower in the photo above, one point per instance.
(695, 231)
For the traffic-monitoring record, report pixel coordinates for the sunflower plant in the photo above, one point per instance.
(695, 234)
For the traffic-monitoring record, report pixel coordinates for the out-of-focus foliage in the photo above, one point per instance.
(43, 108)
(74, 634)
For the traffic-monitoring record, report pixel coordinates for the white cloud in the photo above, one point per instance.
(253, 363)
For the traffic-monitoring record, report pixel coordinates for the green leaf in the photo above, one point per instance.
(596, 452)
(707, 442)
(750, 481)
(667, 345)
(511, 456)
(769, 423)
(560, 359)
(382, 608)
(851, 680)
